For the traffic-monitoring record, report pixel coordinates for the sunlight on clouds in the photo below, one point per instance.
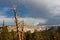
(35, 21)
(8, 21)
(29, 21)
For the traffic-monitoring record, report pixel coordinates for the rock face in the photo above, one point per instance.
(27, 28)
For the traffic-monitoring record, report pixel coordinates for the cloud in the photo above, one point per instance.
(50, 8)
(37, 9)
(8, 21)
(29, 21)
(35, 21)
(54, 7)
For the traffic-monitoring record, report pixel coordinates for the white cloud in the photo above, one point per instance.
(8, 21)
(29, 21)
(34, 21)
(54, 7)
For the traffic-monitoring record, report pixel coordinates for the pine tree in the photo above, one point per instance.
(5, 35)
(37, 35)
(28, 35)
(13, 35)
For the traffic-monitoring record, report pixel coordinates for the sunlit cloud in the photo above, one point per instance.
(28, 21)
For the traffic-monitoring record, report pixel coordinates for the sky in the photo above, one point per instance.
(33, 12)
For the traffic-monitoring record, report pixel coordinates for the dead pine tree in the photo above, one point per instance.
(16, 22)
